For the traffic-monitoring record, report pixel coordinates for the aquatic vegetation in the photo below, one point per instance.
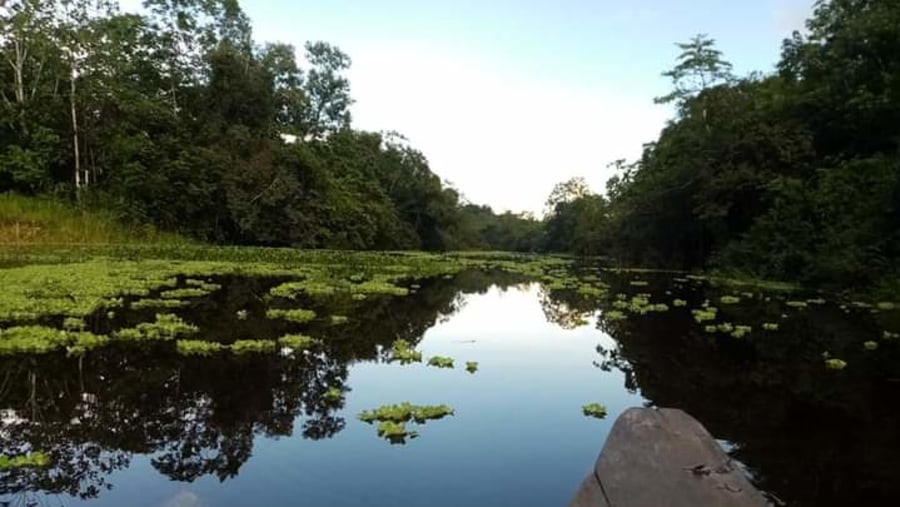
(339, 319)
(295, 315)
(679, 303)
(165, 327)
(711, 328)
(816, 301)
(406, 412)
(471, 366)
(890, 336)
(591, 291)
(441, 362)
(769, 326)
(208, 286)
(614, 315)
(741, 331)
(82, 342)
(394, 432)
(187, 292)
(143, 304)
(73, 324)
(639, 283)
(333, 394)
(31, 339)
(595, 410)
(297, 342)
(705, 314)
(835, 364)
(860, 305)
(402, 351)
(660, 307)
(242, 315)
(870, 345)
(198, 347)
(253, 347)
(886, 305)
(725, 327)
(730, 300)
(31, 460)
(797, 304)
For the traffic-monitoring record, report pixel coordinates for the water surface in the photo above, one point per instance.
(143, 426)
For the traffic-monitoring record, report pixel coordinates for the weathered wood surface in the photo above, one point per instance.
(664, 458)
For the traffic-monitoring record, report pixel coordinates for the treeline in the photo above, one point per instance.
(178, 118)
(792, 176)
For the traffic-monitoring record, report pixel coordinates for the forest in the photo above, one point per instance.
(179, 118)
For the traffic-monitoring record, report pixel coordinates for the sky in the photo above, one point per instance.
(508, 97)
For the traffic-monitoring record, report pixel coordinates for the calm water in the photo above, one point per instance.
(142, 426)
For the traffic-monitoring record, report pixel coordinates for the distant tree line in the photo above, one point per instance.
(793, 175)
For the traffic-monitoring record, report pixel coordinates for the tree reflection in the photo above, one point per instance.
(199, 416)
(812, 436)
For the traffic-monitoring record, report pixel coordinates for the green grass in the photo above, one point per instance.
(29, 221)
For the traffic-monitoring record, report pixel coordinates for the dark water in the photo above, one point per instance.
(142, 426)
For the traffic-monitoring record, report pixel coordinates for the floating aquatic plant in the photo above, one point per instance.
(769, 326)
(741, 331)
(187, 292)
(816, 301)
(297, 341)
(441, 362)
(143, 304)
(295, 315)
(32, 340)
(886, 305)
(253, 347)
(678, 303)
(198, 347)
(73, 324)
(730, 300)
(394, 432)
(835, 364)
(333, 394)
(614, 315)
(392, 419)
(406, 412)
(339, 319)
(32, 460)
(471, 366)
(639, 283)
(712, 328)
(165, 327)
(595, 410)
(705, 315)
(725, 327)
(870, 345)
(890, 336)
(402, 351)
(242, 314)
(797, 304)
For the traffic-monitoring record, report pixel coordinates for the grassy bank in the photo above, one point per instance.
(35, 221)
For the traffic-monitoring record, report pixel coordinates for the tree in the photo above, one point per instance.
(700, 66)
(328, 91)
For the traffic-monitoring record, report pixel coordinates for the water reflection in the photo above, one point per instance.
(809, 435)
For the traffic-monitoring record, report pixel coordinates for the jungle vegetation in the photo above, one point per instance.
(179, 120)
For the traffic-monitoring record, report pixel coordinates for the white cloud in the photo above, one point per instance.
(502, 139)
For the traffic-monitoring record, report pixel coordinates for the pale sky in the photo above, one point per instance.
(508, 97)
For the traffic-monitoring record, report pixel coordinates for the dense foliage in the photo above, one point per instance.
(177, 118)
(794, 175)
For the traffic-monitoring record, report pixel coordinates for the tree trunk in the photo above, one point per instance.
(75, 132)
